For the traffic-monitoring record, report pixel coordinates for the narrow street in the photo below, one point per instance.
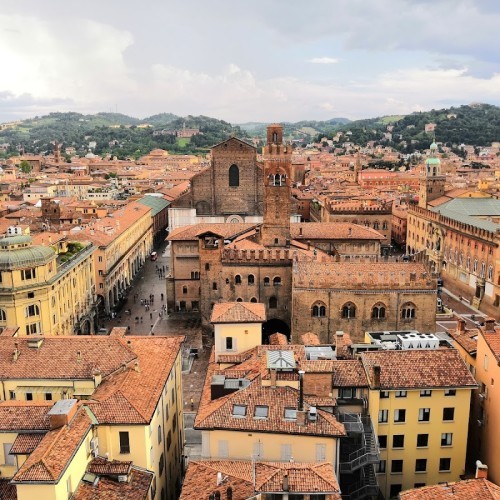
(148, 282)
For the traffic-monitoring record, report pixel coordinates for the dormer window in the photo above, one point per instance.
(239, 410)
(261, 411)
(291, 413)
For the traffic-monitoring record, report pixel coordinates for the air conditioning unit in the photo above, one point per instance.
(122, 478)
(94, 446)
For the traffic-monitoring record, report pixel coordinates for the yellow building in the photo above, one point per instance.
(416, 403)
(142, 427)
(44, 292)
(480, 347)
(124, 241)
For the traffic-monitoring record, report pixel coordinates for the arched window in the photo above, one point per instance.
(234, 176)
(32, 310)
(195, 275)
(276, 281)
(474, 269)
(483, 270)
(378, 311)
(239, 299)
(490, 273)
(408, 311)
(267, 281)
(251, 279)
(237, 279)
(318, 310)
(3, 316)
(467, 263)
(253, 299)
(349, 310)
(273, 302)
(375, 225)
(384, 225)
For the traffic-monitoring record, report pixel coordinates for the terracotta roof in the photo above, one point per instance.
(302, 477)
(277, 399)
(493, 341)
(24, 444)
(201, 478)
(49, 460)
(8, 491)
(137, 488)
(342, 344)
(309, 338)
(349, 373)
(278, 339)
(467, 340)
(461, 490)
(20, 416)
(131, 396)
(418, 368)
(102, 466)
(238, 312)
(57, 357)
(332, 231)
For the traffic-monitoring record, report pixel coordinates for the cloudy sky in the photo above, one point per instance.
(273, 60)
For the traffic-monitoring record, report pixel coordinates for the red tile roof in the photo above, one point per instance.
(471, 489)
(131, 396)
(137, 488)
(219, 413)
(24, 444)
(418, 368)
(238, 312)
(18, 416)
(58, 357)
(201, 478)
(51, 457)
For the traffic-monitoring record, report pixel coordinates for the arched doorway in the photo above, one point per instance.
(274, 326)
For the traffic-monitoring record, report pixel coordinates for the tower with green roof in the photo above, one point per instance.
(431, 181)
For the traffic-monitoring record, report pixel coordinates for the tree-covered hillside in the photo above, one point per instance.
(477, 125)
(115, 134)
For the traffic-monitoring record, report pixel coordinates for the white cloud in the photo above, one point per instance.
(323, 60)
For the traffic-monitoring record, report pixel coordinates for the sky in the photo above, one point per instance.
(265, 61)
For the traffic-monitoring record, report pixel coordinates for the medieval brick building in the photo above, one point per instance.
(297, 278)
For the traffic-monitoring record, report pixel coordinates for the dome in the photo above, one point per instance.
(433, 161)
(16, 252)
(433, 146)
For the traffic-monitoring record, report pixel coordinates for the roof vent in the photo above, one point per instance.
(35, 342)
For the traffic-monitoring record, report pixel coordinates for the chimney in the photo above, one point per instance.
(15, 354)
(286, 486)
(481, 470)
(96, 374)
(489, 324)
(136, 367)
(301, 390)
(376, 376)
(273, 378)
(62, 413)
(461, 325)
(78, 356)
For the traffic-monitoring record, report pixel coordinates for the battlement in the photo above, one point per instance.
(453, 224)
(262, 256)
(388, 276)
(361, 209)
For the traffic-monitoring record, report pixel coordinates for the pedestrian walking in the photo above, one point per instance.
(141, 319)
(150, 315)
(162, 296)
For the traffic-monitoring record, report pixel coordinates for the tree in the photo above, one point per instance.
(25, 167)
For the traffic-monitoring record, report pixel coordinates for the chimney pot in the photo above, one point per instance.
(489, 324)
(461, 325)
(376, 376)
(481, 470)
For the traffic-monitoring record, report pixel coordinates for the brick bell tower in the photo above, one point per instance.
(275, 229)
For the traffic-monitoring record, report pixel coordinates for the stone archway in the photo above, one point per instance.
(274, 326)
